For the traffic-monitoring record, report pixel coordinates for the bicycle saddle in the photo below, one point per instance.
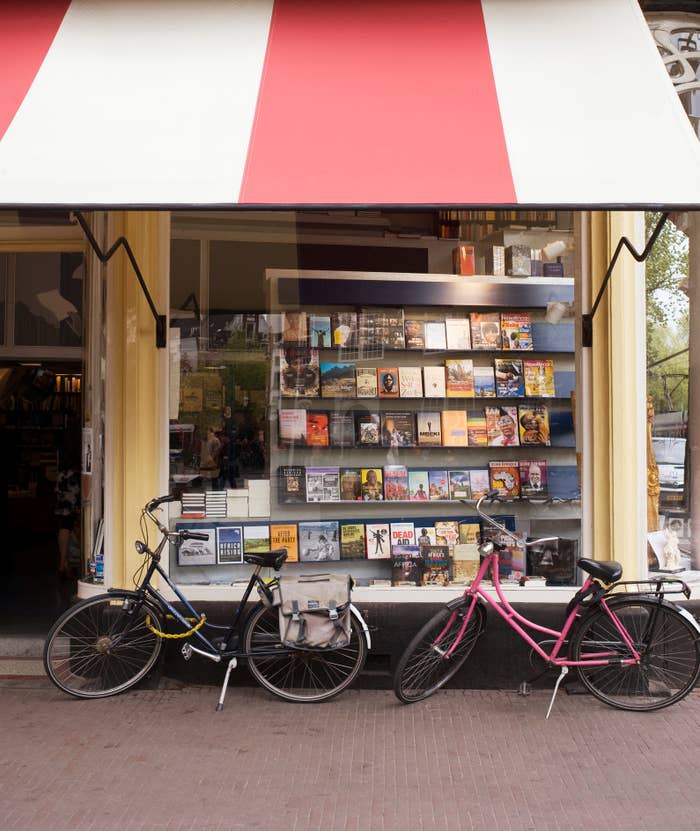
(608, 572)
(267, 559)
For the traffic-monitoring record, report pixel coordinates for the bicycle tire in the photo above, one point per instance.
(422, 669)
(78, 653)
(666, 640)
(301, 675)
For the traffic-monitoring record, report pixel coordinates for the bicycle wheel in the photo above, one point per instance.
(666, 641)
(424, 667)
(97, 648)
(300, 674)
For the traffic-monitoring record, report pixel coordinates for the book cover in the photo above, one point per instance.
(410, 382)
(398, 429)
(388, 382)
(454, 428)
(295, 328)
(344, 329)
(352, 541)
(465, 563)
(460, 484)
(458, 334)
(415, 334)
(256, 538)
(198, 552)
(479, 482)
(555, 560)
(292, 428)
(194, 505)
(368, 429)
(319, 541)
(429, 429)
(395, 483)
(502, 426)
(425, 535)
(350, 484)
(402, 533)
(533, 423)
(435, 335)
(516, 330)
(395, 335)
(436, 570)
(511, 560)
(509, 378)
(484, 382)
(434, 382)
(299, 372)
(485, 330)
(285, 535)
(317, 434)
(366, 380)
(337, 380)
(504, 478)
(320, 331)
(418, 486)
(459, 376)
(438, 485)
(292, 483)
(372, 484)
(533, 478)
(539, 377)
(342, 429)
(447, 532)
(469, 533)
(322, 484)
(406, 565)
(476, 429)
(229, 544)
(377, 540)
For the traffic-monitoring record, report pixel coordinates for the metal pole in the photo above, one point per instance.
(693, 472)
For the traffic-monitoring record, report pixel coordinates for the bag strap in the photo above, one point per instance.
(297, 618)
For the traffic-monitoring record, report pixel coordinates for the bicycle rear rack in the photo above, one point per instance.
(656, 585)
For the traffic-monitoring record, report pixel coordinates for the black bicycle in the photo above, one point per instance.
(106, 644)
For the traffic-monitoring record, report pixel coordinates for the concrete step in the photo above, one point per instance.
(21, 646)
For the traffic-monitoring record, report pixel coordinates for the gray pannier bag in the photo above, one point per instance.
(314, 610)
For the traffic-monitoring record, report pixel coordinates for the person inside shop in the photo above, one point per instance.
(209, 467)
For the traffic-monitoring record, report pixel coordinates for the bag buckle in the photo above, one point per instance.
(295, 611)
(332, 610)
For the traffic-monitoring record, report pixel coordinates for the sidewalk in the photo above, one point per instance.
(163, 760)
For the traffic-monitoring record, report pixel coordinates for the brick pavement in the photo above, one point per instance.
(163, 760)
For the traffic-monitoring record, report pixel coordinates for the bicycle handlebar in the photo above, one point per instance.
(494, 497)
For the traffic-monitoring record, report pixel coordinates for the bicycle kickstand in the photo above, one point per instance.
(562, 675)
(231, 665)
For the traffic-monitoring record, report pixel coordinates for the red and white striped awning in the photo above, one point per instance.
(338, 102)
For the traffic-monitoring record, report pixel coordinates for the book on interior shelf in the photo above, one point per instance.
(438, 485)
(395, 483)
(285, 535)
(479, 482)
(411, 382)
(229, 544)
(344, 329)
(518, 260)
(377, 540)
(502, 426)
(299, 372)
(484, 382)
(292, 427)
(295, 328)
(320, 331)
(193, 505)
(418, 486)
(533, 478)
(398, 429)
(415, 334)
(395, 334)
(447, 532)
(509, 378)
(459, 377)
(368, 429)
(372, 484)
(407, 565)
(317, 434)
(429, 429)
(464, 260)
(504, 478)
(476, 429)
(388, 382)
(516, 330)
(215, 504)
(366, 382)
(435, 336)
(402, 533)
(292, 483)
(342, 429)
(539, 377)
(511, 559)
(198, 552)
(460, 484)
(322, 484)
(434, 385)
(469, 533)
(485, 330)
(458, 334)
(256, 539)
(352, 541)
(350, 484)
(425, 534)
(436, 569)
(533, 424)
(319, 541)
(337, 380)
(454, 428)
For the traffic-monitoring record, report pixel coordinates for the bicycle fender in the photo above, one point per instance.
(363, 625)
(613, 601)
(686, 614)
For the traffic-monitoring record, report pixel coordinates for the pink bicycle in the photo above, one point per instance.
(633, 648)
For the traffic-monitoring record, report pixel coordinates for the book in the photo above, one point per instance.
(539, 377)
(509, 378)
(415, 334)
(502, 426)
(479, 482)
(319, 541)
(459, 377)
(533, 478)
(407, 565)
(198, 552)
(429, 429)
(395, 483)
(425, 535)
(465, 562)
(350, 484)
(291, 483)
(320, 331)
(485, 330)
(434, 382)
(436, 569)
(377, 540)
(322, 484)
(366, 382)
(341, 429)
(337, 380)
(292, 428)
(398, 429)
(295, 328)
(438, 485)
(285, 535)
(447, 532)
(418, 485)
(533, 425)
(352, 541)
(317, 434)
(516, 330)
(256, 538)
(454, 428)
(504, 478)
(484, 382)
(388, 382)
(460, 484)
(372, 484)
(367, 427)
(344, 329)
(193, 505)
(402, 533)
(410, 382)
(458, 334)
(476, 429)
(511, 559)
(518, 260)
(215, 504)
(435, 335)
(299, 372)
(395, 335)
(229, 544)
(464, 260)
